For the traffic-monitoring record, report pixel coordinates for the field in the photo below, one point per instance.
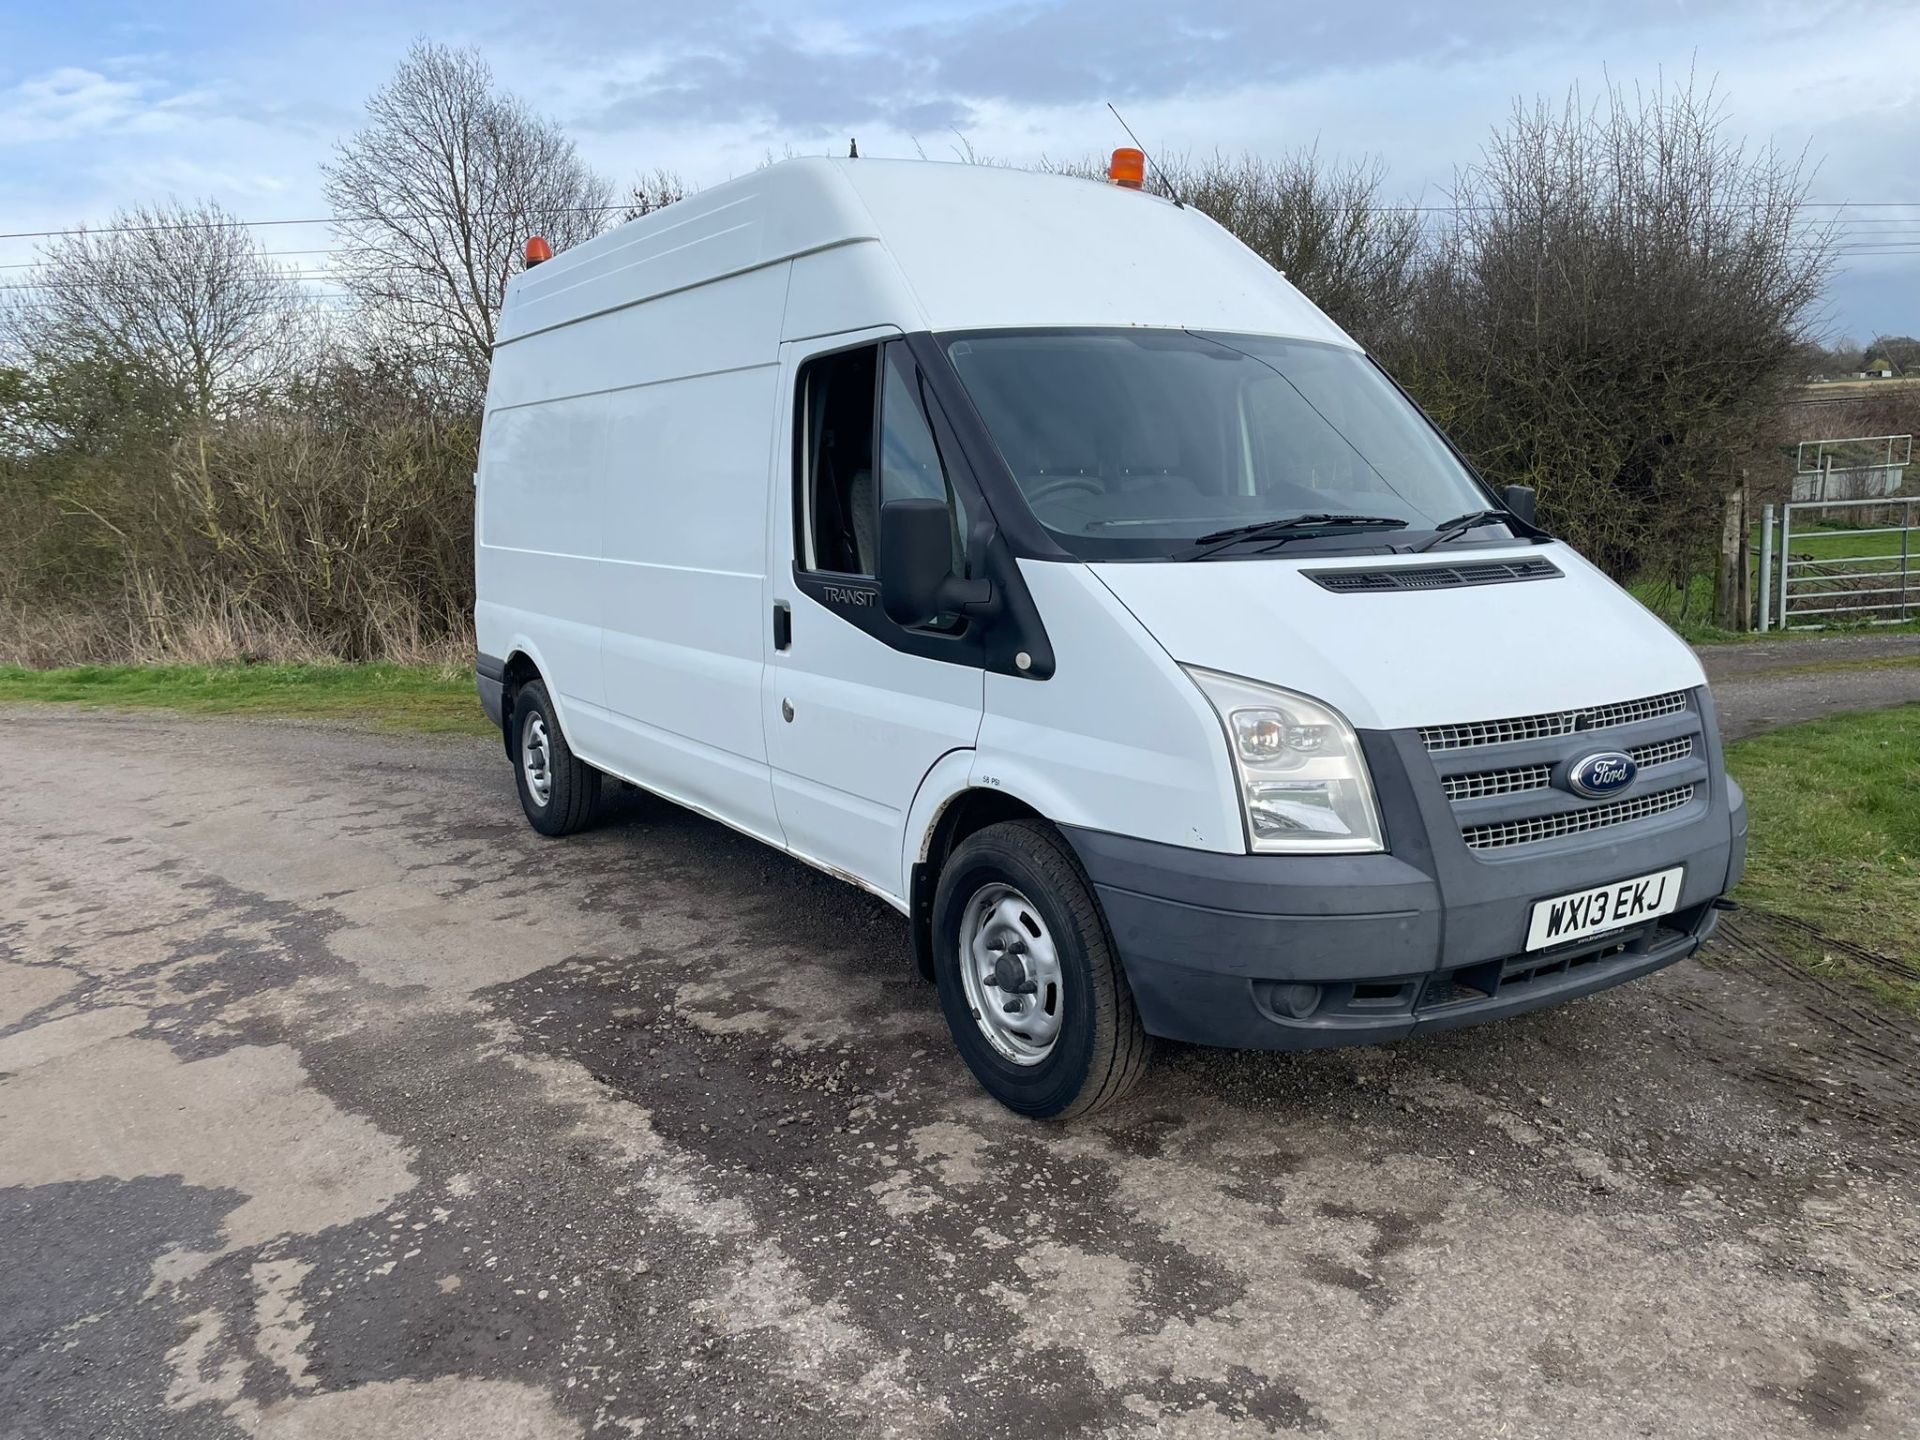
(1857, 389)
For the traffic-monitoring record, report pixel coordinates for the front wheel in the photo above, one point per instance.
(1034, 996)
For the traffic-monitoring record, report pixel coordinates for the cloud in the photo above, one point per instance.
(246, 108)
(71, 103)
(788, 71)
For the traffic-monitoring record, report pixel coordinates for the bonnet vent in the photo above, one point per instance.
(1433, 577)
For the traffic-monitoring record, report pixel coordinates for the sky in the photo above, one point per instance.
(104, 105)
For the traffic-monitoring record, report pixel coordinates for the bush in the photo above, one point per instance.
(333, 524)
(1614, 316)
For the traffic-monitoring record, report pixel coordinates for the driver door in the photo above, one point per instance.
(857, 709)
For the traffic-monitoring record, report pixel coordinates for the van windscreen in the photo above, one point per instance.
(1133, 444)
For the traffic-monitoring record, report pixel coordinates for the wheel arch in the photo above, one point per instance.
(941, 828)
(522, 667)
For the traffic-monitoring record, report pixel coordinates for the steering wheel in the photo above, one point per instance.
(1047, 485)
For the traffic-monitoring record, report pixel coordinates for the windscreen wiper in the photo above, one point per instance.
(1460, 524)
(1299, 527)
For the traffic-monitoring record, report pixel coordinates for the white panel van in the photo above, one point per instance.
(1026, 551)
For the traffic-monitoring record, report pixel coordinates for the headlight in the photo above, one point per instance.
(1304, 785)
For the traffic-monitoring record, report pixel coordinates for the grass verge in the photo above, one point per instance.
(434, 699)
(1835, 807)
(1842, 667)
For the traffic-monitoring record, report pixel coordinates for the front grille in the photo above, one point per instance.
(1504, 833)
(1498, 782)
(1439, 738)
(1539, 777)
(1665, 753)
(1433, 577)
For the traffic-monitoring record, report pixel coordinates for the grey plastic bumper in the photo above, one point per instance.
(1428, 937)
(490, 675)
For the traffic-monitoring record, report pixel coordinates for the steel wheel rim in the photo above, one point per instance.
(1010, 970)
(536, 759)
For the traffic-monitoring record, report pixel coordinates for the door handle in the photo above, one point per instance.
(782, 625)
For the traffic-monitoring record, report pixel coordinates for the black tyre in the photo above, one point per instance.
(1033, 992)
(559, 792)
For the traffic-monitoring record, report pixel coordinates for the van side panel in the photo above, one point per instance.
(681, 583)
(539, 541)
(685, 602)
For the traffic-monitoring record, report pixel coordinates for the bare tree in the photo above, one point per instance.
(1614, 313)
(655, 190)
(1323, 224)
(435, 198)
(178, 294)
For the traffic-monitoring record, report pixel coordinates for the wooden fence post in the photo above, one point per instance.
(1732, 565)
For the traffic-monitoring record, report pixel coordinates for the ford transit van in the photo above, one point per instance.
(1024, 550)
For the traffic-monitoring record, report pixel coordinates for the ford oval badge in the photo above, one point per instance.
(1607, 773)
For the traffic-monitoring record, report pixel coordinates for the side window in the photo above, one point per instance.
(910, 465)
(839, 497)
(841, 487)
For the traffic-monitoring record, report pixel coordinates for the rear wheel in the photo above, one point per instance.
(558, 791)
(1034, 996)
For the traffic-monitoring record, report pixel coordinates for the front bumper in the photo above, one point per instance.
(1425, 938)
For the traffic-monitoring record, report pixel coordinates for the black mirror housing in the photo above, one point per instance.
(1519, 499)
(915, 565)
(916, 556)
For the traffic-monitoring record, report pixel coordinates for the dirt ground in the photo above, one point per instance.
(335, 1103)
(1764, 684)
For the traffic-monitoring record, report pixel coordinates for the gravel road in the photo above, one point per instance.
(334, 1102)
(1765, 684)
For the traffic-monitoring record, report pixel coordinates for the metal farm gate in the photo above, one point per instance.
(1855, 468)
(1841, 562)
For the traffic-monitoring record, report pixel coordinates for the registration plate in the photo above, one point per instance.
(1607, 907)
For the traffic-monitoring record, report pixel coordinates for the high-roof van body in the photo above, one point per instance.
(1026, 551)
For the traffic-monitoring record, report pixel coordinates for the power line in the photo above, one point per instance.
(320, 276)
(265, 254)
(1839, 229)
(174, 225)
(58, 287)
(1849, 241)
(1847, 245)
(303, 285)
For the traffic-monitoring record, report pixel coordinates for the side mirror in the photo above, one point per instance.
(1519, 499)
(917, 583)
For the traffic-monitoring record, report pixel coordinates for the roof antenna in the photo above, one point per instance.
(1172, 194)
(853, 149)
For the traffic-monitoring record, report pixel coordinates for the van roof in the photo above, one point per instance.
(941, 246)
